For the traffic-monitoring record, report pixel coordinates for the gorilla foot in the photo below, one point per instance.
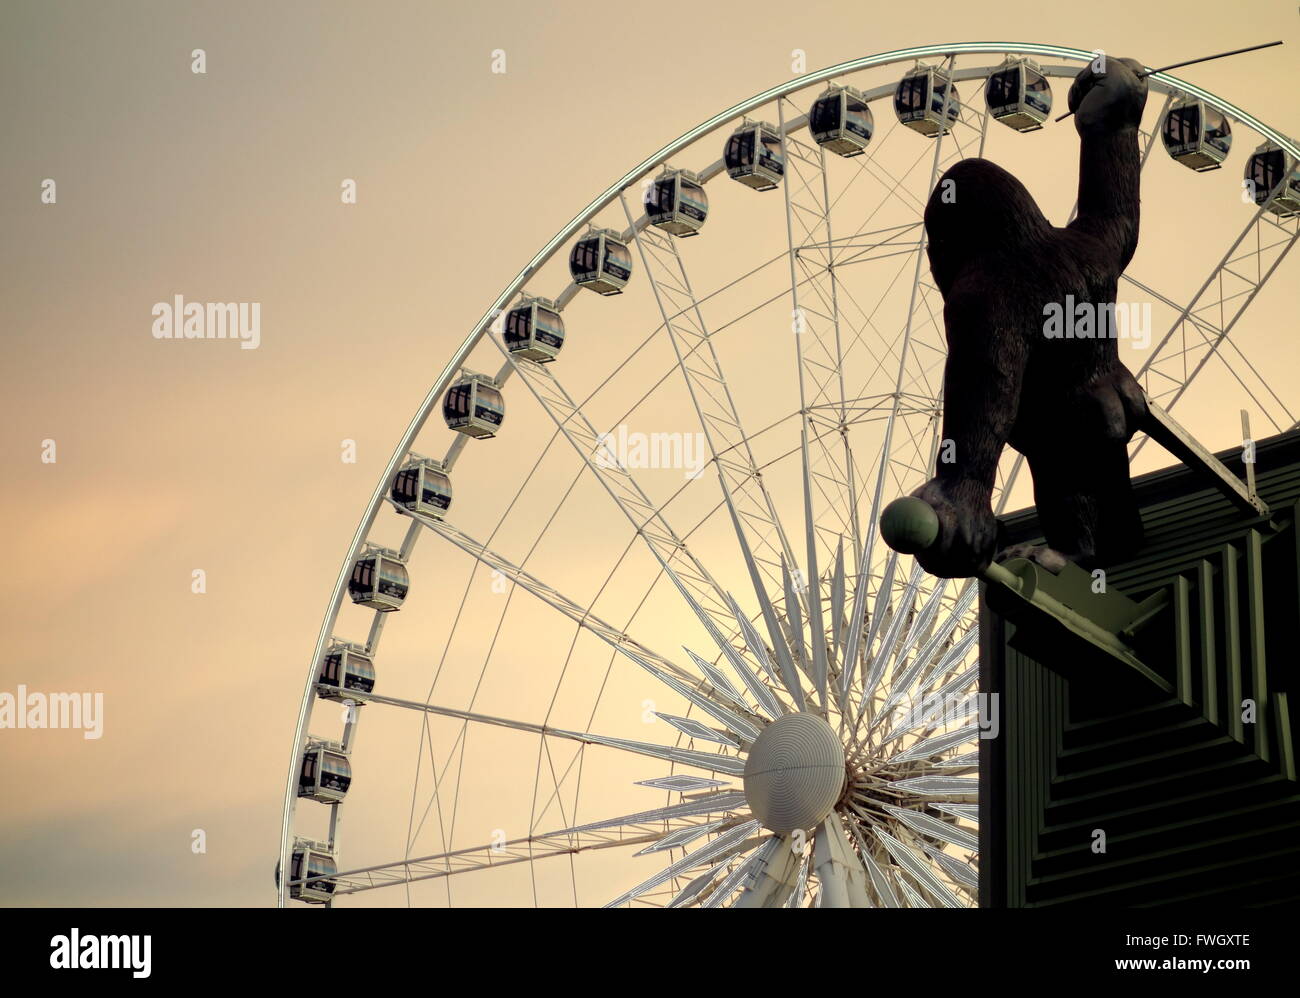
(1041, 554)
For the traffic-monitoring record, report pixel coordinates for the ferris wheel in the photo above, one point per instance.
(654, 652)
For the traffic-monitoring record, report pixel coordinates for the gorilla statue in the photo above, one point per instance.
(1067, 404)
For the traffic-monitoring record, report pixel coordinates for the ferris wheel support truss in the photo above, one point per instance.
(1202, 327)
(1265, 254)
(697, 359)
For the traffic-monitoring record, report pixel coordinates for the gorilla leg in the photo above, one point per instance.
(1085, 505)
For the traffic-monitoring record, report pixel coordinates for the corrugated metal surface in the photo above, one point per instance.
(1192, 803)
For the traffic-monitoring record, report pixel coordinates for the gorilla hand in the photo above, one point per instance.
(968, 530)
(1111, 100)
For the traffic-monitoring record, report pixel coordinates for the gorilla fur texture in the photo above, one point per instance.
(1068, 405)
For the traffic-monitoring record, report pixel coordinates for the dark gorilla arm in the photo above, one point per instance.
(1108, 109)
(1101, 241)
(979, 410)
(987, 241)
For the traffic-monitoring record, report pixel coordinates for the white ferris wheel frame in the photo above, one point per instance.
(1159, 82)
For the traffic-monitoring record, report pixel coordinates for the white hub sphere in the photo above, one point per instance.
(794, 773)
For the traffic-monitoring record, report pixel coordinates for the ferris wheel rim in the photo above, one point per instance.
(1160, 82)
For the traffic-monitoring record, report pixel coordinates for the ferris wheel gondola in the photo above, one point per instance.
(753, 155)
(601, 262)
(326, 773)
(312, 867)
(345, 667)
(841, 121)
(1018, 95)
(474, 406)
(534, 330)
(926, 101)
(1196, 135)
(423, 486)
(379, 580)
(1273, 180)
(676, 202)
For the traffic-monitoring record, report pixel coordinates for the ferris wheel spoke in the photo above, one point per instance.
(647, 519)
(886, 449)
(741, 872)
(697, 359)
(879, 610)
(918, 869)
(699, 888)
(793, 620)
(779, 647)
(925, 824)
(922, 717)
(732, 841)
(882, 886)
(765, 878)
(670, 674)
(758, 649)
(693, 581)
(963, 874)
(923, 849)
(849, 662)
(669, 753)
(723, 686)
(870, 165)
(880, 658)
(907, 678)
(927, 748)
(799, 895)
(914, 897)
(717, 415)
(634, 830)
(838, 594)
(725, 802)
(819, 356)
(709, 761)
(939, 786)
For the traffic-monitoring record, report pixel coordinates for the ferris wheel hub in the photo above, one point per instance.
(795, 773)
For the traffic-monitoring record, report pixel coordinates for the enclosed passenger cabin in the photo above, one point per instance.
(754, 157)
(1018, 95)
(325, 774)
(345, 667)
(379, 580)
(474, 406)
(927, 101)
(422, 486)
(313, 862)
(1196, 135)
(840, 121)
(534, 329)
(676, 202)
(601, 262)
(1273, 179)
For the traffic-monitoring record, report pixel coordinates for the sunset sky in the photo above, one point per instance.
(183, 455)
